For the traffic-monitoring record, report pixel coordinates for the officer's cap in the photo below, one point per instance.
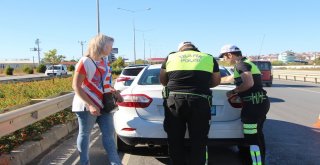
(228, 49)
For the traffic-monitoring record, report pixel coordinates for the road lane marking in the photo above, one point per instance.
(125, 159)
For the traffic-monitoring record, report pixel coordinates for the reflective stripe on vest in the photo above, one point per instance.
(190, 60)
(254, 69)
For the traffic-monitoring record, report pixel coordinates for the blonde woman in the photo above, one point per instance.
(93, 73)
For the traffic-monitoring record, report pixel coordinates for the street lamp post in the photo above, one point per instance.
(98, 17)
(144, 50)
(134, 28)
(144, 44)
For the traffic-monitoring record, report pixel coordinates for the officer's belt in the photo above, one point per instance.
(255, 98)
(194, 94)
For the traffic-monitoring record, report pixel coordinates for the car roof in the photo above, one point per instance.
(136, 66)
(155, 66)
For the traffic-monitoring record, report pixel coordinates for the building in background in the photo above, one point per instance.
(155, 60)
(16, 63)
(287, 56)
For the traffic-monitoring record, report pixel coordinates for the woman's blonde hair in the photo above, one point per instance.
(97, 44)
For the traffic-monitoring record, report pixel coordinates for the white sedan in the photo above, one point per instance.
(139, 119)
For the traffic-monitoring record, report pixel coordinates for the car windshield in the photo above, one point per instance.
(55, 68)
(150, 77)
(131, 71)
(224, 72)
(263, 65)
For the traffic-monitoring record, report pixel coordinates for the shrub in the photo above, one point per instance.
(277, 63)
(71, 68)
(116, 71)
(28, 70)
(41, 68)
(9, 70)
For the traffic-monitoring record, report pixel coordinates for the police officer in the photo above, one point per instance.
(188, 75)
(256, 104)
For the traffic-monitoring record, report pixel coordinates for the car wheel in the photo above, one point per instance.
(269, 84)
(122, 146)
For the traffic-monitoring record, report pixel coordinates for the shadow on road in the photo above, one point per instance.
(275, 100)
(218, 155)
(290, 143)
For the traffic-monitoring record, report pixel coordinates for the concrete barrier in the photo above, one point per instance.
(32, 149)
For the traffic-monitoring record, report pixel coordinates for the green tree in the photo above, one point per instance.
(52, 58)
(119, 63)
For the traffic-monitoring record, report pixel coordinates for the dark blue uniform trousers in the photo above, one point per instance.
(187, 111)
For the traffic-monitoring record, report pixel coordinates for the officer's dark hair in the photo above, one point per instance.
(189, 47)
(238, 54)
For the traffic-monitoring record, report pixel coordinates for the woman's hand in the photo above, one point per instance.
(231, 93)
(94, 110)
(118, 97)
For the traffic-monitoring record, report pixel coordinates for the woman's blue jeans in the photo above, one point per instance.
(86, 123)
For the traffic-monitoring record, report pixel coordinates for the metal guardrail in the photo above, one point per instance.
(22, 117)
(304, 78)
(28, 79)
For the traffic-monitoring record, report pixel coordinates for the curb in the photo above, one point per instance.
(31, 149)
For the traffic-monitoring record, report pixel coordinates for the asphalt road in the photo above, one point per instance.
(22, 76)
(290, 136)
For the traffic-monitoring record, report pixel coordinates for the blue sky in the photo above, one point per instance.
(257, 27)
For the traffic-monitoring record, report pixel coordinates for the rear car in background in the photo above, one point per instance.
(139, 119)
(56, 70)
(127, 76)
(266, 72)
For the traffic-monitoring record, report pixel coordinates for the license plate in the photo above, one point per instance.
(213, 110)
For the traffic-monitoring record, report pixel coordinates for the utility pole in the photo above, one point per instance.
(134, 42)
(81, 43)
(144, 50)
(37, 42)
(33, 62)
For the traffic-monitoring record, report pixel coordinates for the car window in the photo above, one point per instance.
(55, 68)
(131, 71)
(150, 77)
(224, 72)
